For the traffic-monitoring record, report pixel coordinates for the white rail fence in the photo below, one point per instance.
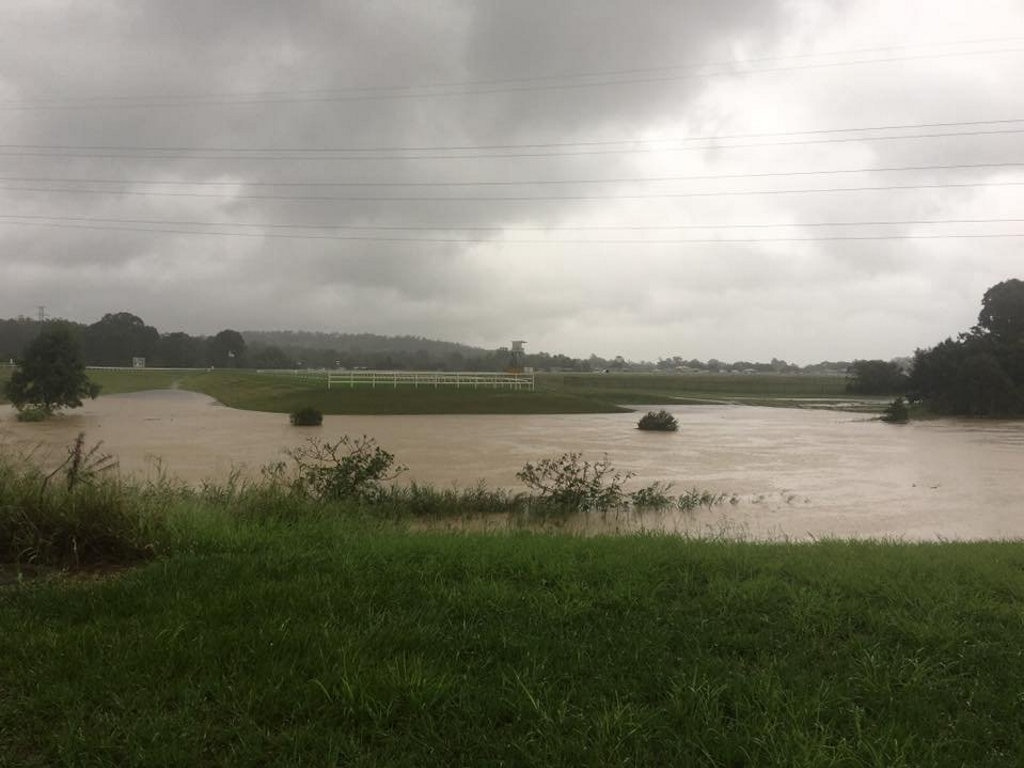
(416, 379)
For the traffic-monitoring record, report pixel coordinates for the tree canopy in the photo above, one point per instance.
(981, 373)
(51, 373)
(876, 377)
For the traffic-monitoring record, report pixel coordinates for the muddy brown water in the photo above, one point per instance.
(789, 473)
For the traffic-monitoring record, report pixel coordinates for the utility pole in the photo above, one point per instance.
(42, 313)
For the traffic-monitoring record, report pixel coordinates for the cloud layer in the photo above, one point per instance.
(486, 171)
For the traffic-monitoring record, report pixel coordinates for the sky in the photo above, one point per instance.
(797, 179)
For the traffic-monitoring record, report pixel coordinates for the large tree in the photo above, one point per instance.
(51, 373)
(981, 373)
(227, 349)
(1002, 311)
(117, 338)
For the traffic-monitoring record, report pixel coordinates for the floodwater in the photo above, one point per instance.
(788, 473)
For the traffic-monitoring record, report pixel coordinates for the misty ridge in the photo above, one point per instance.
(119, 338)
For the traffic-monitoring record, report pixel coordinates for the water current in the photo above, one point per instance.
(786, 472)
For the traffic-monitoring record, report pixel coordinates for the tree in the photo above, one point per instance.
(118, 337)
(227, 349)
(875, 377)
(1002, 311)
(51, 374)
(179, 350)
(981, 373)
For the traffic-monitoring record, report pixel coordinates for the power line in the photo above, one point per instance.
(609, 144)
(504, 183)
(622, 77)
(354, 238)
(513, 198)
(459, 227)
(322, 155)
(563, 75)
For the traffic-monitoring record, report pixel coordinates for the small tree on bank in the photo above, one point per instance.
(51, 374)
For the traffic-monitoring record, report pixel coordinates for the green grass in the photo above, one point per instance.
(554, 393)
(120, 382)
(333, 641)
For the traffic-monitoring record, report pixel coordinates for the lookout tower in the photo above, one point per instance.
(516, 357)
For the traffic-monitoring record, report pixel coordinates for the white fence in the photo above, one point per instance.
(395, 379)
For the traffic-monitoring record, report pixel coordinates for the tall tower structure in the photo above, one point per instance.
(516, 356)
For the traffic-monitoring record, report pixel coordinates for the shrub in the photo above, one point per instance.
(695, 498)
(658, 421)
(307, 417)
(572, 483)
(896, 412)
(348, 468)
(653, 496)
(32, 413)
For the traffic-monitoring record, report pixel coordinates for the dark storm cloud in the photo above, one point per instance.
(317, 75)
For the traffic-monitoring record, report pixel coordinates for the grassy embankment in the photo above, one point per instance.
(266, 629)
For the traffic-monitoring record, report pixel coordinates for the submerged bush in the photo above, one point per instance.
(658, 421)
(348, 468)
(653, 496)
(307, 417)
(696, 498)
(572, 483)
(30, 413)
(896, 412)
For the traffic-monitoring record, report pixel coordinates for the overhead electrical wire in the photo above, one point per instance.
(476, 88)
(578, 147)
(512, 198)
(360, 238)
(462, 227)
(502, 183)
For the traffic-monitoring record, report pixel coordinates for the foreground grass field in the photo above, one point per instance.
(328, 642)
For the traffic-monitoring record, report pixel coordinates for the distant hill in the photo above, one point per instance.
(370, 350)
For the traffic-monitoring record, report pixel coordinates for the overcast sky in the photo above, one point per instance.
(593, 176)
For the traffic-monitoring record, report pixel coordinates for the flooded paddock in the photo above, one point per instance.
(787, 472)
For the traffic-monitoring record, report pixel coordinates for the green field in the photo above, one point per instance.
(554, 393)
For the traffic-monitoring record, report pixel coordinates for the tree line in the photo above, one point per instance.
(118, 338)
(979, 373)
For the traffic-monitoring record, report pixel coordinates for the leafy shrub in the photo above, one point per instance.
(348, 468)
(658, 421)
(307, 417)
(696, 498)
(896, 412)
(571, 483)
(653, 496)
(32, 413)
